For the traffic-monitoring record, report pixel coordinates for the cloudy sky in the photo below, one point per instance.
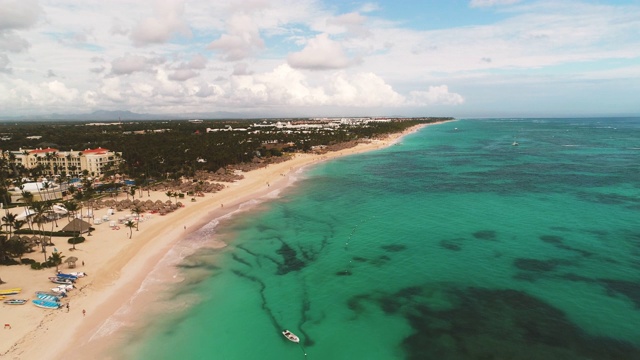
(463, 58)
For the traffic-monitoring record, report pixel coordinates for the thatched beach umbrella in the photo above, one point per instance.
(71, 261)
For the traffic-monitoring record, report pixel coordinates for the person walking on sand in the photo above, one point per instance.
(84, 312)
(67, 307)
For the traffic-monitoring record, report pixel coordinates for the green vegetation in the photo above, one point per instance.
(161, 149)
(154, 151)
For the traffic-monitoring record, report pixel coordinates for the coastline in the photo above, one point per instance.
(118, 266)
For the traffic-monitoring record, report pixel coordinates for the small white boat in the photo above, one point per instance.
(291, 336)
(15, 301)
(62, 289)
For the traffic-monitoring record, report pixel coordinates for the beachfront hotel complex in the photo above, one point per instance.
(93, 162)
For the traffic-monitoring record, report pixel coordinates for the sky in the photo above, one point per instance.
(285, 58)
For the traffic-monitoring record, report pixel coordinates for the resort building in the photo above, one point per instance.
(71, 163)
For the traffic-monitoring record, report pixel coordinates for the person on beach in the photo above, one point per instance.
(84, 312)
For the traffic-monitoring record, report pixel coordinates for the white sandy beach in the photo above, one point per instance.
(117, 266)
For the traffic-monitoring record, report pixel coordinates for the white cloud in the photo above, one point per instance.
(11, 42)
(4, 63)
(185, 71)
(197, 62)
(353, 24)
(129, 64)
(182, 74)
(18, 14)
(15, 15)
(59, 91)
(436, 95)
(51, 93)
(204, 90)
(241, 69)
(321, 53)
(488, 3)
(362, 90)
(257, 54)
(241, 40)
(159, 29)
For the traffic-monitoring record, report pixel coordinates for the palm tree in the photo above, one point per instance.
(18, 224)
(27, 198)
(137, 210)
(56, 259)
(72, 208)
(9, 220)
(40, 209)
(130, 224)
(16, 247)
(46, 186)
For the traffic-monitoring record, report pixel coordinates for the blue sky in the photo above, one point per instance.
(280, 58)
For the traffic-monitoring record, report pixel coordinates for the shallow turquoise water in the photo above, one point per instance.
(452, 245)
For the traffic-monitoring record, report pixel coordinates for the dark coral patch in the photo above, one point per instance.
(451, 244)
(485, 235)
(552, 239)
(577, 278)
(630, 289)
(394, 247)
(536, 265)
(584, 253)
(491, 324)
(291, 261)
(380, 260)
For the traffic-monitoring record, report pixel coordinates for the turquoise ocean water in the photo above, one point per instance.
(453, 244)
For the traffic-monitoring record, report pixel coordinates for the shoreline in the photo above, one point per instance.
(118, 266)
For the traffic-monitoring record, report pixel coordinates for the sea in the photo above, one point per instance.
(471, 239)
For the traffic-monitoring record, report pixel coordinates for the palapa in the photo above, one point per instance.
(77, 225)
(71, 261)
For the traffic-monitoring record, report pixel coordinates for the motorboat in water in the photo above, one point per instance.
(291, 336)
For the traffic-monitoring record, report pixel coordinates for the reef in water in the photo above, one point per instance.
(481, 323)
(290, 260)
(485, 235)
